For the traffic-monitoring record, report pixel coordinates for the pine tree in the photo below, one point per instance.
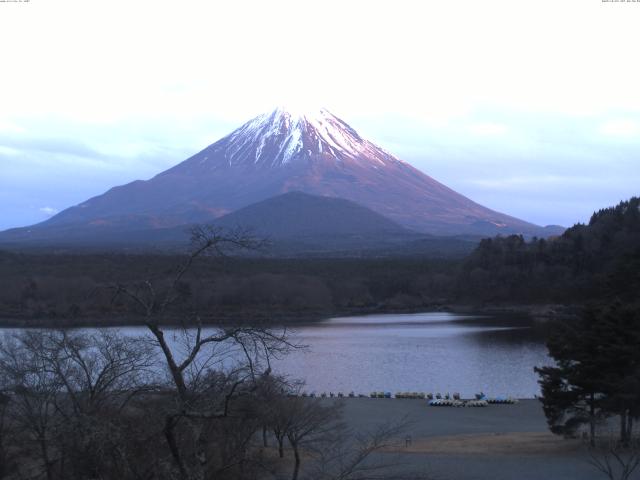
(597, 371)
(572, 390)
(618, 327)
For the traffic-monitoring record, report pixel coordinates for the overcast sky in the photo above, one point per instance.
(531, 108)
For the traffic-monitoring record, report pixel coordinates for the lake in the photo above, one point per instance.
(428, 352)
(422, 352)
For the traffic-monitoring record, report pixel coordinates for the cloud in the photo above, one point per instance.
(621, 128)
(488, 129)
(431, 59)
(49, 145)
(49, 211)
(534, 182)
(9, 151)
(6, 126)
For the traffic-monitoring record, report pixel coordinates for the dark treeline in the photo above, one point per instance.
(588, 262)
(68, 289)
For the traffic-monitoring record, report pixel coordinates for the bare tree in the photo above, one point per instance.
(67, 394)
(308, 421)
(352, 455)
(243, 352)
(34, 391)
(270, 390)
(101, 374)
(278, 420)
(614, 459)
(97, 369)
(7, 463)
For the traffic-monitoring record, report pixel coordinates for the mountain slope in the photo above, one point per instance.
(299, 215)
(299, 224)
(276, 153)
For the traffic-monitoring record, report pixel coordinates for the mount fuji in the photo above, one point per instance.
(281, 151)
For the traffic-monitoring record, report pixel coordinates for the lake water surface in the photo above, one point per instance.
(429, 352)
(422, 352)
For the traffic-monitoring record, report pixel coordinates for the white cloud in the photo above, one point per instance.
(10, 127)
(534, 182)
(427, 59)
(4, 150)
(49, 211)
(625, 128)
(487, 129)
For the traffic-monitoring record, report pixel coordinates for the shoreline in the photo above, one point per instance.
(538, 312)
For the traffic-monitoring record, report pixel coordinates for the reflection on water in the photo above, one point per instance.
(431, 352)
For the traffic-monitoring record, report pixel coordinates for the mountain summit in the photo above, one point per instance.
(283, 138)
(277, 152)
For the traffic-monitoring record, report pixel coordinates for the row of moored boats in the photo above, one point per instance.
(435, 400)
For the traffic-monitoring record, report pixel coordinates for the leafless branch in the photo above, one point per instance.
(615, 460)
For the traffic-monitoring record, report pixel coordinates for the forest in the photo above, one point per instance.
(588, 262)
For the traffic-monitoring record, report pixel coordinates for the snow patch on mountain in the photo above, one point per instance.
(284, 136)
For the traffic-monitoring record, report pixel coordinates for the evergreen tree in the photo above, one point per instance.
(618, 328)
(597, 371)
(599, 261)
(572, 390)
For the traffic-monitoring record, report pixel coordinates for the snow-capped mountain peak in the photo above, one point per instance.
(288, 150)
(285, 136)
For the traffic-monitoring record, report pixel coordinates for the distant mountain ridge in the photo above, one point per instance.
(275, 153)
(297, 214)
(293, 224)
